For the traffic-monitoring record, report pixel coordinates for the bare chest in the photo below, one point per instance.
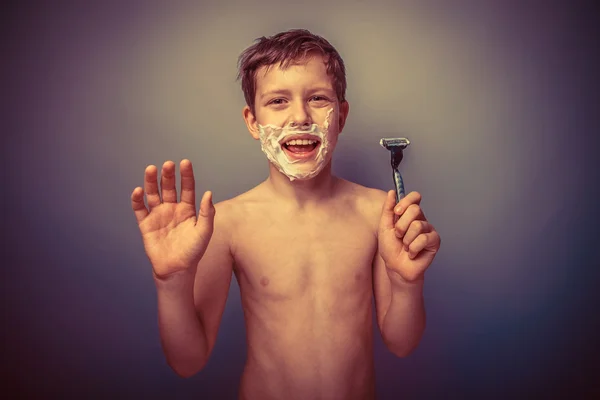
(294, 257)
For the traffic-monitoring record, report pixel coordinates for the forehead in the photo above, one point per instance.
(309, 72)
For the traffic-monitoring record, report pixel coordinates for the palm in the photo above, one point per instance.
(174, 237)
(171, 237)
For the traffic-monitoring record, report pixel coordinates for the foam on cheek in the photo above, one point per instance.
(326, 145)
(326, 123)
(272, 135)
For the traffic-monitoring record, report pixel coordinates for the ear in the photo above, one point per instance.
(343, 114)
(251, 122)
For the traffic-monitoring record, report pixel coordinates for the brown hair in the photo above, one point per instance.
(286, 47)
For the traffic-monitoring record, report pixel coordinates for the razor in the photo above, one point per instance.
(395, 146)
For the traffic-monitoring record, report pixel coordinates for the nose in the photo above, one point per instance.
(300, 117)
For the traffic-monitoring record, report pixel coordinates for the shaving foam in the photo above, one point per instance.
(272, 137)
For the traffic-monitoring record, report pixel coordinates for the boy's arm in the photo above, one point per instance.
(190, 305)
(213, 277)
(406, 246)
(400, 309)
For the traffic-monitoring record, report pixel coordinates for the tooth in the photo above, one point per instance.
(304, 142)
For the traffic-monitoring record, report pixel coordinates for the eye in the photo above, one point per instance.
(277, 101)
(319, 98)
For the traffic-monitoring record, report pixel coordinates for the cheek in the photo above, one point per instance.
(264, 116)
(333, 126)
(334, 139)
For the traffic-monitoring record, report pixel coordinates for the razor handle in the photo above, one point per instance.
(397, 156)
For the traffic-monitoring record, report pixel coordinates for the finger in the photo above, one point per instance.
(188, 184)
(428, 242)
(207, 212)
(151, 187)
(387, 211)
(207, 207)
(167, 183)
(412, 213)
(415, 229)
(137, 204)
(406, 201)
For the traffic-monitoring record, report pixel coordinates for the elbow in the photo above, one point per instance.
(187, 369)
(186, 373)
(403, 347)
(186, 364)
(402, 351)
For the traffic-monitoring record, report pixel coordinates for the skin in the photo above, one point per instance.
(309, 257)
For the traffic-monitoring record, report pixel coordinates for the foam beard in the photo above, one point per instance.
(272, 138)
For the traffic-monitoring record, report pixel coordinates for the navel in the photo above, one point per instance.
(264, 281)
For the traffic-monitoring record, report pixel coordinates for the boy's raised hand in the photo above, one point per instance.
(409, 244)
(174, 237)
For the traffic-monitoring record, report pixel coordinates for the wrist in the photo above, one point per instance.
(400, 284)
(176, 281)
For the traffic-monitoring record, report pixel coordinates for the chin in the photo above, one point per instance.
(305, 176)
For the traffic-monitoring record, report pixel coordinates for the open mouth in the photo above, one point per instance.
(301, 148)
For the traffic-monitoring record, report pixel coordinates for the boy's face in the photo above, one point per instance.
(298, 101)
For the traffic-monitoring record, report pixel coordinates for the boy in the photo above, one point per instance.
(309, 250)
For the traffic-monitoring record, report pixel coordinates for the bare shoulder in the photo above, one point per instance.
(223, 210)
(222, 225)
(366, 196)
(229, 212)
(231, 207)
(241, 202)
(368, 201)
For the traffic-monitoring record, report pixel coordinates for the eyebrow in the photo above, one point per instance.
(272, 92)
(287, 92)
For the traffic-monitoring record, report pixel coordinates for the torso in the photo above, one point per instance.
(306, 289)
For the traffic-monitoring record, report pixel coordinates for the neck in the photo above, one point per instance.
(302, 193)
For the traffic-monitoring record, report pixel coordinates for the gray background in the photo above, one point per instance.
(497, 98)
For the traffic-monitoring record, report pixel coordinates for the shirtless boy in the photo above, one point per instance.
(309, 250)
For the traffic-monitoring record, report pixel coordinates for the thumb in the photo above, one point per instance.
(387, 212)
(207, 209)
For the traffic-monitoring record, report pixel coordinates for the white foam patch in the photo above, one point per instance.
(272, 137)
